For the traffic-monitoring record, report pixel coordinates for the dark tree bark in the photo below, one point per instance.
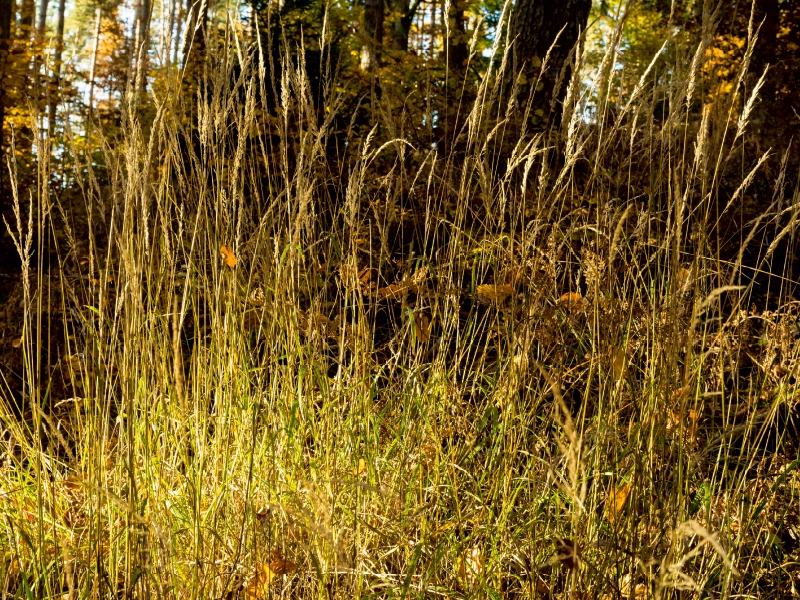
(59, 51)
(42, 25)
(26, 13)
(95, 47)
(372, 29)
(402, 17)
(6, 12)
(457, 44)
(535, 26)
(143, 44)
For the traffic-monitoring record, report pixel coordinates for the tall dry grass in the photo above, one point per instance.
(553, 385)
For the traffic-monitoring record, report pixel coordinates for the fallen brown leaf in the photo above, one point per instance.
(228, 255)
(470, 565)
(616, 502)
(493, 293)
(361, 468)
(422, 327)
(567, 551)
(617, 363)
(258, 587)
(280, 565)
(571, 301)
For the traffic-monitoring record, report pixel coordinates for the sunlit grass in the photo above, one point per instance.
(542, 395)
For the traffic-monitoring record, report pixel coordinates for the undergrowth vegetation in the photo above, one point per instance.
(301, 356)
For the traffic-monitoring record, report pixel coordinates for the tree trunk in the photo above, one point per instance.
(95, 45)
(42, 19)
(6, 12)
(143, 37)
(457, 49)
(26, 12)
(403, 16)
(178, 30)
(56, 87)
(535, 25)
(372, 29)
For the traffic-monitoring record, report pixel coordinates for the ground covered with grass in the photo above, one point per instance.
(247, 359)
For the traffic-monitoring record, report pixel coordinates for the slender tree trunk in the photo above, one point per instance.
(42, 25)
(457, 49)
(178, 29)
(143, 38)
(372, 28)
(403, 14)
(95, 45)
(26, 13)
(6, 13)
(535, 28)
(170, 31)
(59, 51)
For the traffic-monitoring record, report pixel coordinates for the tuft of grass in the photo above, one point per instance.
(525, 368)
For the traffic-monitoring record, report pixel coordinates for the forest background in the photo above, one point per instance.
(398, 298)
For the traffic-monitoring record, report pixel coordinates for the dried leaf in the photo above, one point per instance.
(470, 566)
(422, 327)
(228, 255)
(258, 588)
(316, 322)
(257, 298)
(542, 588)
(365, 276)
(418, 278)
(280, 565)
(682, 279)
(393, 291)
(361, 468)
(617, 363)
(674, 419)
(263, 515)
(615, 503)
(571, 301)
(493, 293)
(567, 552)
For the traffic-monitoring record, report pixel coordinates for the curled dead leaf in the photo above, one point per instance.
(360, 468)
(280, 565)
(470, 565)
(393, 291)
(617, 363)
(228, 256)
(422, 327)
(493, 293)
(365, 276)
(616, 502)
(572, 301)
(567, 552)
(263, 515)
(683, 279)
(257, 298)
(258, 587)
(315, 322)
